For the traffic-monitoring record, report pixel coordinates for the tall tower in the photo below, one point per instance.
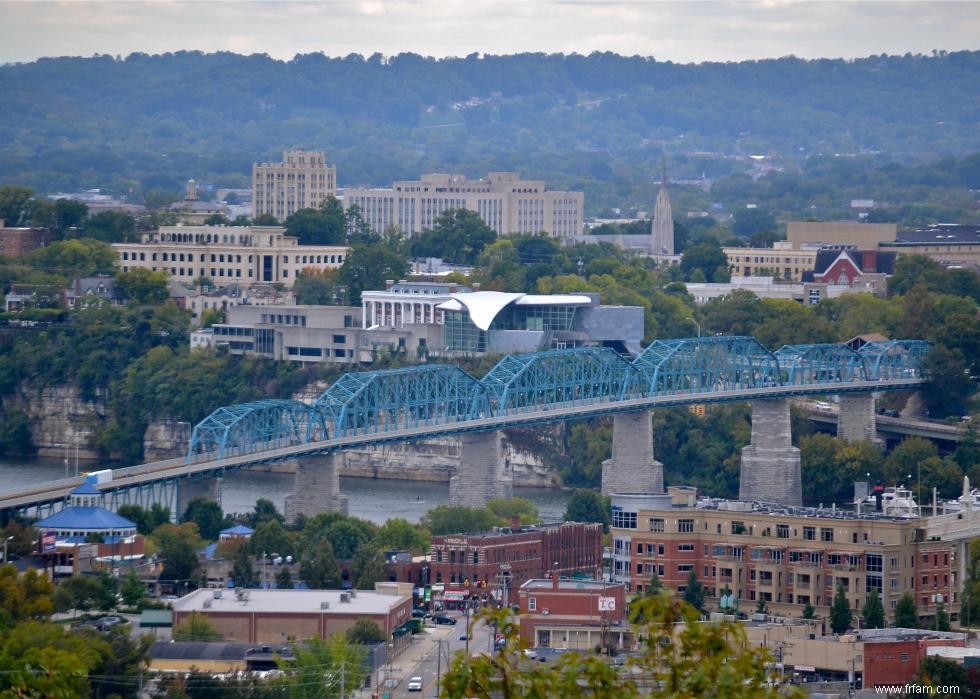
(662, 228)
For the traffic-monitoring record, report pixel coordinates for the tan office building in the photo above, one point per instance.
(781, 261)
(503, 200)
(301, 181)
(242, 254)
(865, 236)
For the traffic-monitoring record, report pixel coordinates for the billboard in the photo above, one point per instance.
(47, 542)
(607, 604)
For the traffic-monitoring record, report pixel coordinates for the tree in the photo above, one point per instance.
(265, 220)
(243, 572)
(74, 258)
(368, 265)
(207, 515)
(66, 216)
(197, 627)
(284, 579)
(446, 519)
(399, 533)
(210, 316)
(457, 235)
(707, 257)
(906, 616)
(693, 592)
(367, 567)
(271, 537)
(145, 520)
(970, 599)
(325, 225)
(746, 222)
(319, 287)
(364, 632)
(178, 546)
(508, 508)
(322, 669)
(216, 220)
(143, 286)
(936, 671)
(947, 381)
(587, 505)
(347, 535)
(16, 205)
(66, 657)
(873, 611)
(808, 611)
(319, 568)
(942, 618)
(840, 612)
(110, 227)
(686, 660)
(264, 511)
(132, 589)
(27, 596)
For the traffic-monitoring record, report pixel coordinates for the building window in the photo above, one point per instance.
(339, 339)
(656, 525)
(532, 604)
(873, 562)
(826, 534)
(810, 533)
(623, 520)
(684, 526)
(685, 547)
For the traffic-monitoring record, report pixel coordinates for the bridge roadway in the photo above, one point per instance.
(929, 429)
(146, 474)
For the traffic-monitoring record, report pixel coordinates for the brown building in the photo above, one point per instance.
(500, 561)
(787, 557)
(276, 616)
(17, 242)
(865, 236)
(574, 614)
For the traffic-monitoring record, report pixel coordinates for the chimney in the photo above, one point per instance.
(389, 283)
(476, 286)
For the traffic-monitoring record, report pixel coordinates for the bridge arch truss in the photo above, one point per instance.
(257, 426)
(805, 365)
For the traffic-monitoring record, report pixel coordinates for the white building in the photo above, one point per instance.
(406, 303)
(504, 201)
(225, 254)
(301, 181)
(810, 293)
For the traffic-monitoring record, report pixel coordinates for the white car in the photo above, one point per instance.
(529, 653)
(415, 684)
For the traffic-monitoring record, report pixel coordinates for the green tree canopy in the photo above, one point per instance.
(197, 627)
(457, 236)
(693, 592)
(840, 612)
(873, 611)
(325, 225)
(178, 546)
(143, 286)
(207, 515)
(364, 632)
(906, 616)
(588, 505)
(446, 519)
(319, 568)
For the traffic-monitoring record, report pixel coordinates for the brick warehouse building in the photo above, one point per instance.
(786, 556)
(500, 561)
(276, 616)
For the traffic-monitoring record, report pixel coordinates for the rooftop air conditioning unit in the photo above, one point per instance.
(324, 605)
(207, 604)
(344, 597)
(217, 594)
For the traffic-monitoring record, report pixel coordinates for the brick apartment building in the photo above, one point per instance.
(574, 614)
(786, 556)
(499, 562)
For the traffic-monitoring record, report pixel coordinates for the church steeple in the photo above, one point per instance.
(662, 227)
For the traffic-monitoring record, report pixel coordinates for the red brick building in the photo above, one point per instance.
(499, 562)
(17, 242)
(574, 614)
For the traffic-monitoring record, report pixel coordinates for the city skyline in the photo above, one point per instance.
(677, 31)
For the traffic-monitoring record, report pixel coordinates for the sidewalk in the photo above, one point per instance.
(403, 665)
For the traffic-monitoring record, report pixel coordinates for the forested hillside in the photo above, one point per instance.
(596, 123)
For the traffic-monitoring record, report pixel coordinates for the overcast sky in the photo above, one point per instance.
(679, 31)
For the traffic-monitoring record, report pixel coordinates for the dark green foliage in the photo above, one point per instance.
(906, 616)
(146, 520)
(445, 519)
(207, 515)
(458, 236)
(15, 433)
(706, 258)
(941, 622)
(284, 579)
(840, 612)
(873, 612)
(132, 589)
(364, 632)
(325, 225)
(749, 222)
(588, 505)
(368, 265)
(808, 611)
(140, 285)
(319, 569)
(935, 671)
(271, 537)
(693, 592)
(367, 566)
(243, 572)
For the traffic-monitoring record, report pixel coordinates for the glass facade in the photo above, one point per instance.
(461, 335)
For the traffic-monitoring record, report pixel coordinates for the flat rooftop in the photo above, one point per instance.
(288, 602)
(564, 584)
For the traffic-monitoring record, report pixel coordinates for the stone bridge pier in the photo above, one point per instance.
(632, 468)
(196, 487)
(771, 464)
(316, 487)
(856, 418)
(482, 473)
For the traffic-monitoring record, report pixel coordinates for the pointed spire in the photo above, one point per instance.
(663, 177)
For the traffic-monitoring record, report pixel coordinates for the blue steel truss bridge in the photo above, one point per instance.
(436, 400)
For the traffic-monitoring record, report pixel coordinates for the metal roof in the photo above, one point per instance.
(96, 518)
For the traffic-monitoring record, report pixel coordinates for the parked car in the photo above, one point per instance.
(107, 622)
(530, 653)
(415, 684)
(419, 614)
(444, 620)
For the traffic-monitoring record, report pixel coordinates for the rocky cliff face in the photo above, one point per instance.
(166, 439)
(61, 421)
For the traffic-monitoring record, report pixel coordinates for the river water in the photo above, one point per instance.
(375, 500)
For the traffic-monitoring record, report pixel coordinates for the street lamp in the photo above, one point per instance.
(696, 324)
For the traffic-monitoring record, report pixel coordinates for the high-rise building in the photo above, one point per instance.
(301, 181)
(504, 201)
(662, 227)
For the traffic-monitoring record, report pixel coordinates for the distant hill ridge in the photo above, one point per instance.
(155, 120)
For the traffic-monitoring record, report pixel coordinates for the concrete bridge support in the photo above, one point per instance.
(632, 468)
(856, 418)
(316, 487)
(482, 472)
(202, 487)
(771, 464)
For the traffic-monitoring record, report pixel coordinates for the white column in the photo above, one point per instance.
(364, 314)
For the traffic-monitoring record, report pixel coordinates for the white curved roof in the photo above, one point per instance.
(483, 306)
